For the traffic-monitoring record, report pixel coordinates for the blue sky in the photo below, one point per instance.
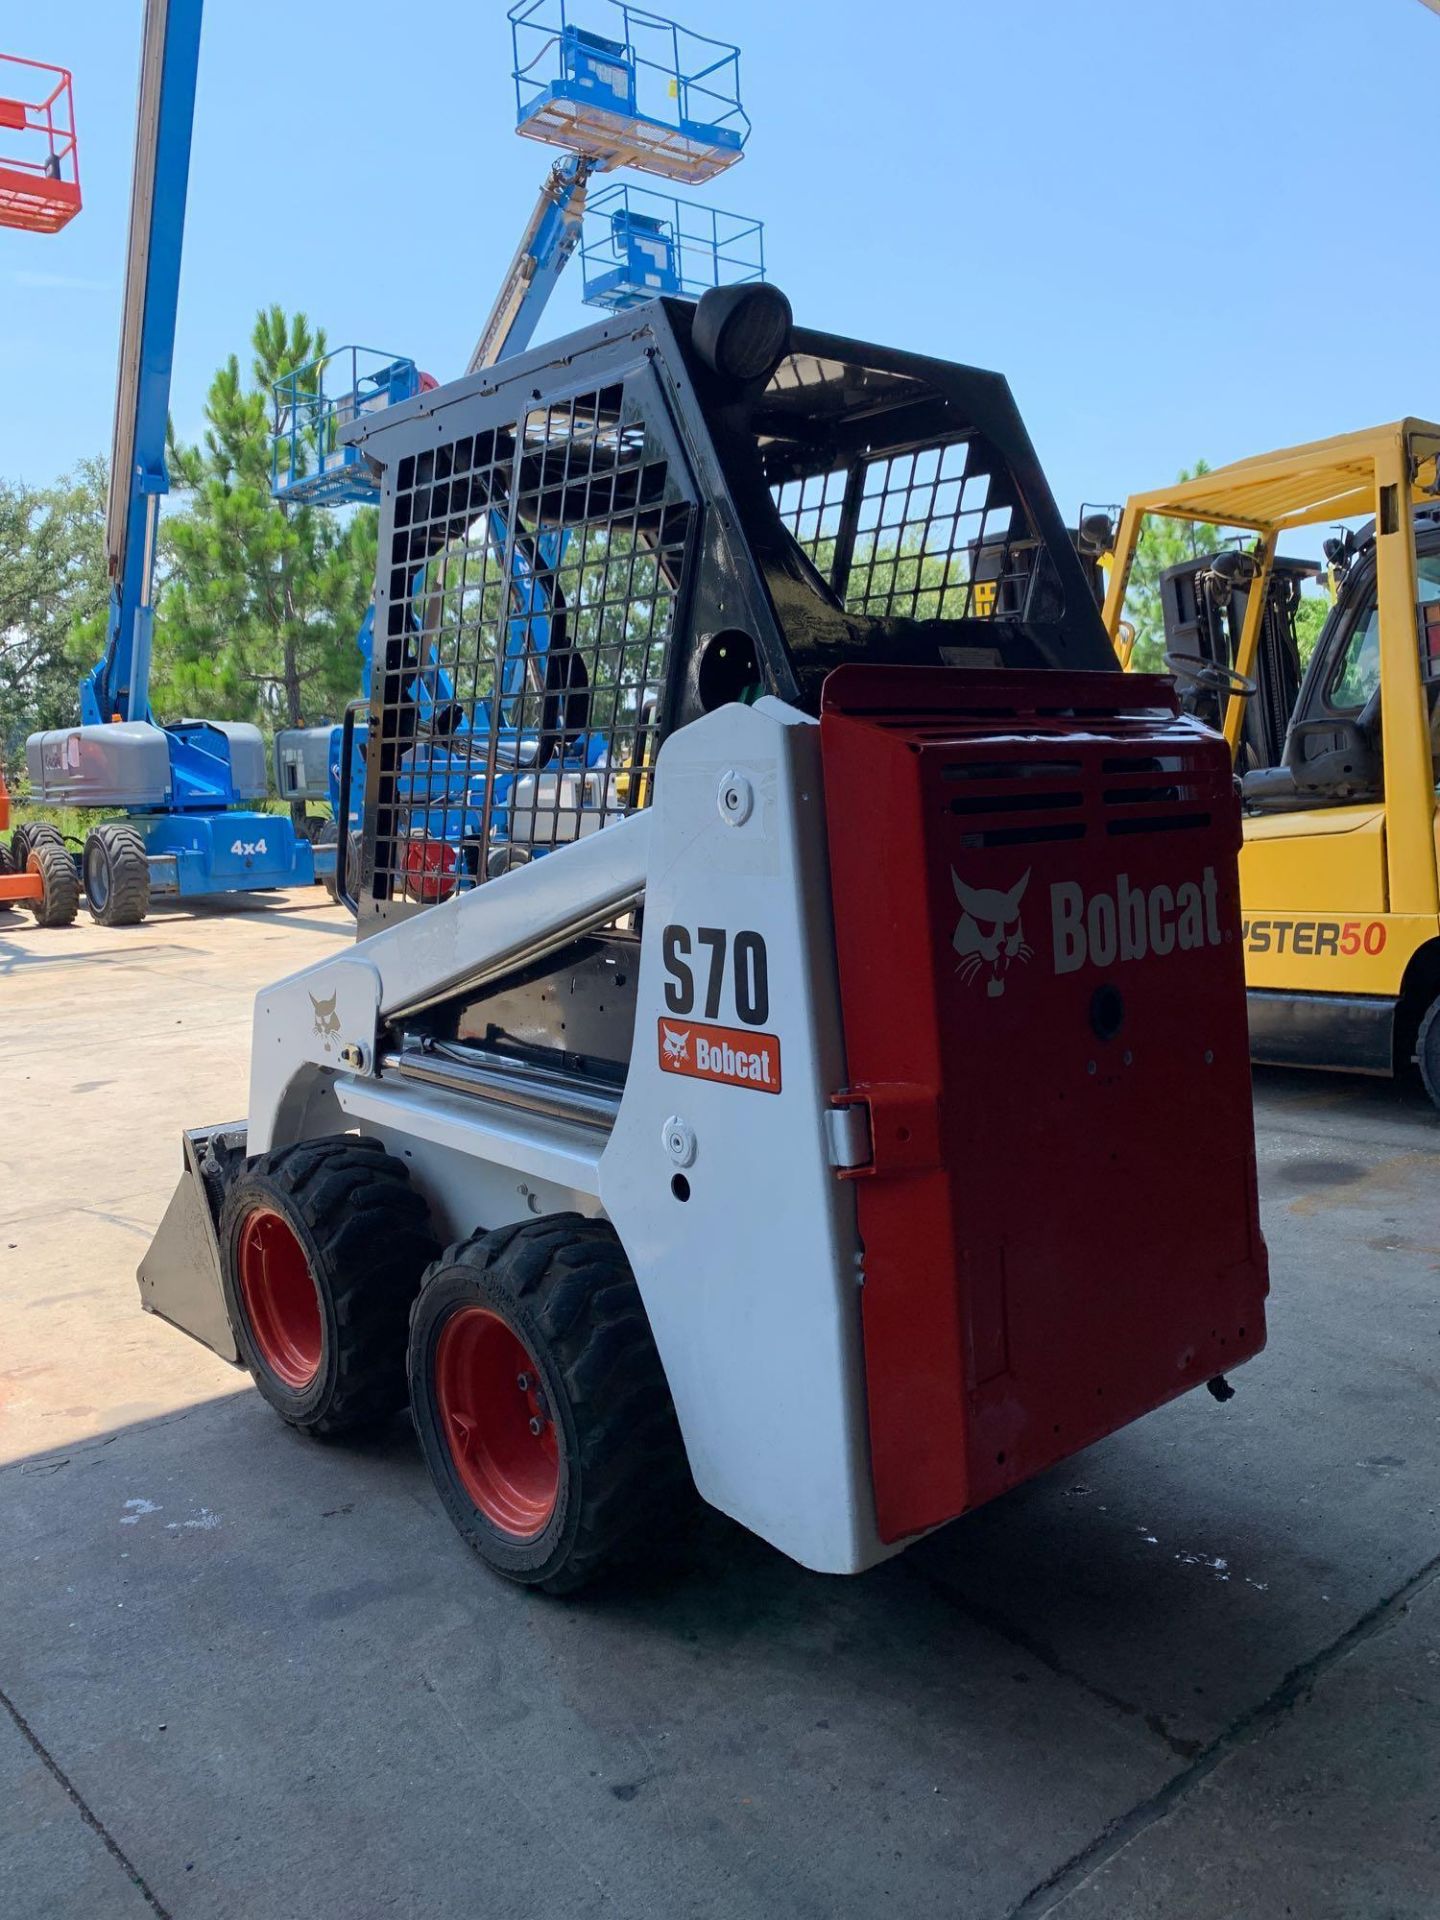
(1180, 227)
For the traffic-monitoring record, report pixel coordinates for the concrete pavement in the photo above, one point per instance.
(1193, 1672)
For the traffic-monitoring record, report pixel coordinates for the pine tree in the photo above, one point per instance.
(261, 603)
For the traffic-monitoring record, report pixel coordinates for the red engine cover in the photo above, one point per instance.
(1043, 995)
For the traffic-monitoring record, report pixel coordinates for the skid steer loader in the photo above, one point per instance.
(779, 965)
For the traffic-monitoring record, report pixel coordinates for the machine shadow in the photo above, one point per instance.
(1169, 1639)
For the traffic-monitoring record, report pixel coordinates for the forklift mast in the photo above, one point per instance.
(1203, 603)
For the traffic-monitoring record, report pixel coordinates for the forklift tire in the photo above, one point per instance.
(322, 1246)
(117, 875)
(7, 868)
(59, 901)
(1427, 1051)
(541, 1404)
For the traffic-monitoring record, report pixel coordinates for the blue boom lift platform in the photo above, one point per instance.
(654, 97)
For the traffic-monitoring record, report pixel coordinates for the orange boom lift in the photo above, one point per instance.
(39, 162)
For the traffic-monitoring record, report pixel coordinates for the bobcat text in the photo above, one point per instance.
(1132, 921)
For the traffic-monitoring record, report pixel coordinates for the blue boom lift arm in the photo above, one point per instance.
(549, 239)
(118, 686)
(182, 792)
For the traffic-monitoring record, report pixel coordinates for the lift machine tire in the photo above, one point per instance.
(117, 875)
(24, 838)
(541, 1404)
(329, 836)
(49, 862)
(1427, 1051)
(322, 1246)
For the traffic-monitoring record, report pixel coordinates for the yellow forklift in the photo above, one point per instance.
(1338, 759)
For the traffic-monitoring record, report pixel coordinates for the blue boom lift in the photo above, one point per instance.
(183, 792)
(657, 98)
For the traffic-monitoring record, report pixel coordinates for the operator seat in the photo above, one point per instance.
(1347, 769)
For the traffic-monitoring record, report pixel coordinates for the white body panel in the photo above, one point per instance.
(752, 1284)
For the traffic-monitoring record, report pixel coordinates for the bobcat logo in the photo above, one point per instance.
(677, 1045)
(327, 1021)
(989, 933)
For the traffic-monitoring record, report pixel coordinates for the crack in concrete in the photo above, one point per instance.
(82, 1807)
(1050, 1893)
(1047, 1657)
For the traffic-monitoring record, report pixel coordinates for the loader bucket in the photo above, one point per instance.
(180, 1275)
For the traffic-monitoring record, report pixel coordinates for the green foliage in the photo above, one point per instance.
(261, 603)
(1310, 617)
(1163, 543)
(1166, 543)
(53, 599)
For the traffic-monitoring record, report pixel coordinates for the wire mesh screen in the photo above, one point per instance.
(926, 535)
(535, 572)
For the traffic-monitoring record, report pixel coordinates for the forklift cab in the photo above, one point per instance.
(1339, 882)
(1333, 747)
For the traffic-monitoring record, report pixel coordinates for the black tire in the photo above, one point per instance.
(117, 875)
(329, 836)
(1427, 1051)
(60, 900)
(7, 868)
(362, 1237)
(563, 1288)
(30, 835)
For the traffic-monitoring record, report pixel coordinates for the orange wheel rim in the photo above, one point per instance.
(496, 1422)
(280, 1298)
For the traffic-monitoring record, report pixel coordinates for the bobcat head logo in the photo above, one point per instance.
(677, 1045)
(327, 1021)
(989, 937)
